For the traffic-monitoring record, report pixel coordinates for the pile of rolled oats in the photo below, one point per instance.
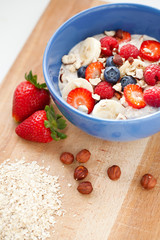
(29, 201)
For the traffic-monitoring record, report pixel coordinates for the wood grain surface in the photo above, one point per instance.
(115, 210)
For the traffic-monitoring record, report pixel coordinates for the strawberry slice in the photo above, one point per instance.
(150, 50)
(122, 36)
(134, 96)
(81, 97)
(93, 70)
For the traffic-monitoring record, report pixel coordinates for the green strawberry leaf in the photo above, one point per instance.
(33, 79)
(54, 123)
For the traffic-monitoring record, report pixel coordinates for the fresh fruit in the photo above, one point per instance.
(109, 62)
(129, 50)
(93, 70)
(134, 96)
(111, 74)
(152, 96)
(104, 90)
(150, 50)
(122, 36)
(29, 96)
(108, 109)
(90, 50)
(81, 72)
(81, 97)
(127, 80)
(152, 74)
(108, 44)
(78, 82)
(42, 126)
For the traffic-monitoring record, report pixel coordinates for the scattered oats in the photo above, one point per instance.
(102, 60)
(48, 168)
(94, 81)
(69, 59)
(42, 161)
(29, 201)
(142, 84)
(74, 215)
(69, 184)
(139, 73)
(121, 117)
(118, 87)
(110, 33)
(96, 97)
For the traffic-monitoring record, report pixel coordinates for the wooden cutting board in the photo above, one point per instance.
(115, 210)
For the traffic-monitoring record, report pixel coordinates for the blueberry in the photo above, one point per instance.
(81, 72)
(111, 74)
(127, 80)
(110, 62)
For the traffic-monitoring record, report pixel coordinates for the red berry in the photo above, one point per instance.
(152, 96)
(81, 96)
(150, 50)
(33, 128)
(122, 36)
(129, 50)
(134, 96)
(93, 70)
(29, 96)
(108, 44)
(104, 90)
(152, 74)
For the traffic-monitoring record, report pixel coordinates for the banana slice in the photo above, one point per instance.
(90, 50)
(108, 109)
(76, 83)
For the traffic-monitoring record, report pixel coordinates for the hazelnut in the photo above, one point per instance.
(83, 156)
(67, 158)
(117, 59)
(80, 173)
(114, 172)
(85, 187)
(148, 181)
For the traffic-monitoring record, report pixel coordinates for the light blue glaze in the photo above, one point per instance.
(135, 18)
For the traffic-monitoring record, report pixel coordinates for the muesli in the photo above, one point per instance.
(114, 75)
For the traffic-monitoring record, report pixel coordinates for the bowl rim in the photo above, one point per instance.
(59, 98)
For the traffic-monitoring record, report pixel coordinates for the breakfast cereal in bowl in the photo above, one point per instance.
(114, 75)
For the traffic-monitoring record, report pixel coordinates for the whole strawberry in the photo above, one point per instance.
(29, 96)
(42, 126)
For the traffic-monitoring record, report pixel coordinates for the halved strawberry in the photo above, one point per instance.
(122, 36)
(81, 97)
(134, 96)
(150, 50)
(93, 70)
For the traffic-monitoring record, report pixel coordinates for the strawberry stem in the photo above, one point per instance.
(54, 123)
(33, 79)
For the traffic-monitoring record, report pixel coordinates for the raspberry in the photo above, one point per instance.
(104, 90)
(152, 74)
(108, 44)
(129, 50)
(152, 96)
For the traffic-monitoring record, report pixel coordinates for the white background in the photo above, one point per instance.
(17, 20)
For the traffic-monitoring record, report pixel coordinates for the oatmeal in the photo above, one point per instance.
(114, 75)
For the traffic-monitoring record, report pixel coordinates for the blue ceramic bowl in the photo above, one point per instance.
(135, 18)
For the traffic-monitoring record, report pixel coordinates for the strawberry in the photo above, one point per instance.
(150, 50)
(134, 96)
(42, 126)
(93, 70)
(29, 96)
(122, 36)
(108, 44)
(81, 97)
(152, 96)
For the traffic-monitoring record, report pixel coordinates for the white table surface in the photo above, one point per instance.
(17, 20)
